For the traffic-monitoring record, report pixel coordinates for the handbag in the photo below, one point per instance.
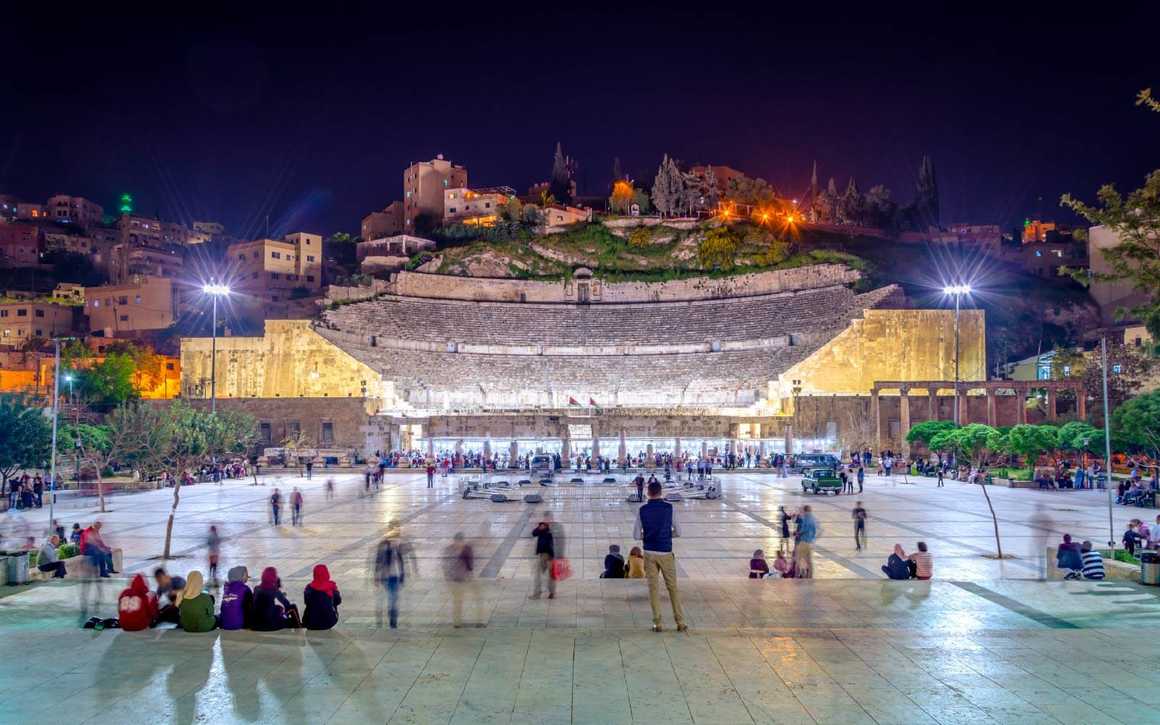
(561, 569)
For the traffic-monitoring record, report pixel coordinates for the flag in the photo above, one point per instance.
(572, 401)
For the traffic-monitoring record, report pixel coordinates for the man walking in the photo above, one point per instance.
(859, 515)
(309, 468)
(276, 506)
(549, 545)
(656, 525)
(296, 507)
(804, 552)
(861, 477)
(391, 571)
(430, 474)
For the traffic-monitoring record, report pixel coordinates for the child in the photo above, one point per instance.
(635, 563)
(783, 566)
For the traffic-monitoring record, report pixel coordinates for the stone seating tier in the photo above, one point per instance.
(703, 322)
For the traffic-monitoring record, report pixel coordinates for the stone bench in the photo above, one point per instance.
(75, 566)
(1113, 570)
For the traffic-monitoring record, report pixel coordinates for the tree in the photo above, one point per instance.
(826, 203)
(561, 183)
(851, 207)
(620, 201)
(26, 436)
(513, 210)
(642, 201)
(1136, 222)
(668, 188)
(880, 208)
(1081, 437)
(1030, 441)
(718, 249)
(1129, 370)
(925, 431)
(1136, 424)
(90, 443)
(973, 442)
(711, 190)
(926, 201)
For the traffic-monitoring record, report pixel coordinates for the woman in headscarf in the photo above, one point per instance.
(237, 600)
(137, 606)
(195, 606)
(322, 600)
(272, 610)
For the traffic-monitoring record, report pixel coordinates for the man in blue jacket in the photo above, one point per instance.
(656, 525)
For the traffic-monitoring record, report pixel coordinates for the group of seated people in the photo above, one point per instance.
(1141, 536)
(1079, 561)
(265, 608)
(1133, 493)
(759, 568)
(615, 567)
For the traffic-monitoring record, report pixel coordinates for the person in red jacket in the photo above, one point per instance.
(137, 606)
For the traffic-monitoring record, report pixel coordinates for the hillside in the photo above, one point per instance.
(1025, 314)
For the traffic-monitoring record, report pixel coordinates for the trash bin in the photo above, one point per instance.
(17, 568)
(1150, 568)
(3, 570)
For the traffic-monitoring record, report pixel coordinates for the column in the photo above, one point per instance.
(704, 449)
(513, 454)
(1052, 396)
(1080, 404)
(565, 450)
(430, 444)
(904, 421)
(876, 411)
(1020, 405)
(623, 450)
(992, 409)
(788, 438)
(595, 446)
(932, 401)
(677, 449)
(960, 396)
(487, 445)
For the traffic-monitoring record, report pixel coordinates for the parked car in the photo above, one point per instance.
(821, 480)
(802, 462)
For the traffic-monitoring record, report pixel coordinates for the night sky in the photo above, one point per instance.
(231, 117)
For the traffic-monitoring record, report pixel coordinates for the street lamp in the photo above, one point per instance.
(214, 290)
(957, 291)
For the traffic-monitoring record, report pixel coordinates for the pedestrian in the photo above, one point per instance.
(330, 489)
(430, 474)
(656, 525)
(296, 507)
(804, 551)
(784, 518)
(859, 514)
(213, 544)
(390, 570)
(888, 464)
(861, 477)
(309, 468)
(549, 545)
(639, 482)
(459, 566)
(940, 477)
(276, 506)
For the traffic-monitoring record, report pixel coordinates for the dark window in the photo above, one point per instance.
(22, 312)
(293, 428)
(327, 433)
(124, 318)
(168, 366)
(40, 313)
(264, 432)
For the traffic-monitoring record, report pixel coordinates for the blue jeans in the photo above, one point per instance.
(393, 584)
(101, 561)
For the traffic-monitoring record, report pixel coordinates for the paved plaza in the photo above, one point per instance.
(985, 641)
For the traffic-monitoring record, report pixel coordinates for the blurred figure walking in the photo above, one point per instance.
(276, 506)
(296, 507)
(459, 569)
(213, 543)
(390, 567)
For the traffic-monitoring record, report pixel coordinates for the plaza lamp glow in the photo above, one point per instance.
(214, 290)
(958, 291)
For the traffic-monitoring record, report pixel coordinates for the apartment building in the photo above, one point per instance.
(424, 183)
(277, 269)
(140, 304)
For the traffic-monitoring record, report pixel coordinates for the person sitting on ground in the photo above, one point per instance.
(1069, 558)
(783, 566)
(614, 566)
(237, 600)
(47, 560)
(168, 588)
(195, 605)
(136, 606)
(322, 599)
(758, 568)
(896, 566)
(1093, 563)
(923, 562)
(635, 563)
(272, 610)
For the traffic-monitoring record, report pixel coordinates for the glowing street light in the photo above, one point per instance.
(958, 291)
(214, 290)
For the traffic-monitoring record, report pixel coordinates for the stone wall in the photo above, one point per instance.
(435, 286)
(289, 361)
(892, 345)
(349, 423)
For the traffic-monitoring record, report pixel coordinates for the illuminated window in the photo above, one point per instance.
(309, 258)
(276, 255)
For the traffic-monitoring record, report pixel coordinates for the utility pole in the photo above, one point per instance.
(55, 412)
(1107, 438)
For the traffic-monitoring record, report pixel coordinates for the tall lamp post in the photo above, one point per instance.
(957, 291)
(215, 291)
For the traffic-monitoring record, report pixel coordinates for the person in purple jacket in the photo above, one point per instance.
(237, 600)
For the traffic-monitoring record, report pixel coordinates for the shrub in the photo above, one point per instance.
(640, 237)
(67, 551)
